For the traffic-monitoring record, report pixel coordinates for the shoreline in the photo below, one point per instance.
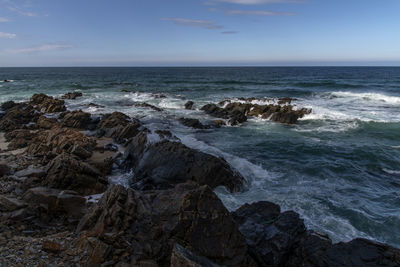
(56, 166)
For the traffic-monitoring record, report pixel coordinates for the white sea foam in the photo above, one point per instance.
(367, 97)
(395, 172)
(121, 178)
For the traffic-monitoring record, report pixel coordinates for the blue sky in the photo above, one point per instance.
(199, 32)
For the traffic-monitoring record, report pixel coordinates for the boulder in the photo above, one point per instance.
(189, 105)
(4, 169)
(136, 227)
(67, 173)
(146, 105)
(59, 140)
(47, 104)
(193, 123)
(57, 201)
(8, 105)
(19, 138)
(118, 126)
(76, 119)
(10, 204)
(72, 95)
(18, 117)
(182, 257)
(165, 163)
(46, 123)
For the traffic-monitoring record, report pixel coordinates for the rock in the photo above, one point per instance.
(51, 246)
(220, 122)
(166, 163)
(4, 169)
(72, 95)
(189, 105)
(47, 104)
(281, 239)
(146, 105)
(46, 123)
(182, 257)
(135, 227)
(270, 234)
(57, 201)
(18, 117)
(60, 140)
(31, 172)
(65, 172)
(8, 105)
(119, 126)
(193, 123)
(94, 105)
(10, 204)
(19, 138)
(76, 119)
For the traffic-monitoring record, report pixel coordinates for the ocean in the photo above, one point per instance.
(339, 167)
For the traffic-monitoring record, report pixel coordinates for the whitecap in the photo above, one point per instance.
(395, 172)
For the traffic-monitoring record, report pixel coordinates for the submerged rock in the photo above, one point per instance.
(146, 105)
(193, 123)
(133, 227)
(72, 95)
(189, 105)
(164, 164)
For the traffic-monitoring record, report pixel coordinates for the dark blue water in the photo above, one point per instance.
(339, 167)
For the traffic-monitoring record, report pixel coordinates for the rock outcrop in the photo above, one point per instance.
(72, 95)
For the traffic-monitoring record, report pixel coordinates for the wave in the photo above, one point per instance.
(220, 82)
(328, 84)
(368, 97)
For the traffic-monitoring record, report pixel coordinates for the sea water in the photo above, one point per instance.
(339, 167)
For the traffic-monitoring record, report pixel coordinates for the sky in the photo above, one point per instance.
(199, 32)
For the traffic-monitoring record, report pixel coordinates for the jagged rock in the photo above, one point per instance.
(270, 234)
(119, 126)
(58, 140)
(182, 257)
(8, 105)
(281, 239)
(30, 172)
(18, 117)
(47, 104)
(135, 227)
(51, 246)
(10, 204)
(72, 95)
(189, 105)
(65, 172)
(76, 119)
(194, 123)
(4, 169)
(46, 123)
(19, 138)
(57, 201)
(164, 164)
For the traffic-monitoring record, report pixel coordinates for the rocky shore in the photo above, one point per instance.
(59, 208)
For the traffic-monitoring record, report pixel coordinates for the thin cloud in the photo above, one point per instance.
(206, 24)
(7, 35)
(229, 32)
(258, 13)
(41, 48)
(4, 19)
(22, 12)
(259, 2)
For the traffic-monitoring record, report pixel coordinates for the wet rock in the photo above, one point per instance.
(31, 172)
(4, 169)
(47, 104)
(136, 227)
(193, 123)
(8, 105)
(19, 138)
(66, 172)
(72, 95)
(146, 105)
(189, 105)
(270, 234)
(53, 142)
(215, 111)
(119, 126)
(166, 163)
(51, 246)
(10, 204)
(76, 119)
(182, 257)
(57, 201)
(94, 105)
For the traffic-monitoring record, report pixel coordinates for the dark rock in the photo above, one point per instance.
(46, 123)
(10, 204)
(137, 227)
(53, 142)
(47, 104)
(51, 246)
(94, 105)
(18, 117)
(65, 172)
(31, 172)
(193, 123)
(8, 105)
(182, 257)
(19, 138)
(57, 201)
(72, 95)
(166, 163)
(271, 235)
(76, 119)
(4, 169)
(189, 105)
(119, 126)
